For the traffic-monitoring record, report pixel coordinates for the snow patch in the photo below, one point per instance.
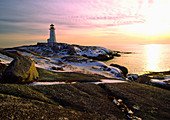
(50, 83)
(5, 59)
(57, 83)
(163, 82)
(82, 65)
(109, 81)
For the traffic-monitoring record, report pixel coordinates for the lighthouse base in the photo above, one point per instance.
(50, 42)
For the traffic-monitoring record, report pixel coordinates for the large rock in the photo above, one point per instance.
(21, 70)
(2, 67)
(122, 68)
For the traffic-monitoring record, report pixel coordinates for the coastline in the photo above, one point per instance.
(73, 96)
(144, 58)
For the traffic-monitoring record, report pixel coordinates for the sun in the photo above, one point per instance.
(149, 29)
(157, 21)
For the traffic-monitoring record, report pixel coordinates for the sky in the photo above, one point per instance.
(85, 22)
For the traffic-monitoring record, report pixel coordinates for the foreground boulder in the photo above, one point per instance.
(21, 70)
(122, 68)
(2, 67)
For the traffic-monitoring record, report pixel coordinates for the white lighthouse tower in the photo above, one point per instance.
(52, 38)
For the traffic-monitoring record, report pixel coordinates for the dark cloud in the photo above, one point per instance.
(14, 29)
(12, 20)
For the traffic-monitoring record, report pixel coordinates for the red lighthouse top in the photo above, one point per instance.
(51, 26)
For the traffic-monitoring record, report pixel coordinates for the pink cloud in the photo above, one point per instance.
(81, 14)
(73, 14)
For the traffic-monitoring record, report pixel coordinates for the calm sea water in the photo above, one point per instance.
(145, 58)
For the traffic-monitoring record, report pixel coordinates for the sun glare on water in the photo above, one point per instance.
(153, 53)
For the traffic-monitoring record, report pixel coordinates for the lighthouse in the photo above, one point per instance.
(52, 38)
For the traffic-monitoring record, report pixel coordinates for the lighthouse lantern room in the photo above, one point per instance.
(52, 38)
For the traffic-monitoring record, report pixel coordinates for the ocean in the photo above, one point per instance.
(144, 58)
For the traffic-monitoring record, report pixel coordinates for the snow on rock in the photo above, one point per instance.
(50, 83)
(158, 81)
(164, 81)
(103, 81)
(47, 50)
(41, 62)
(94, 52)
(90, 66)
(63, 49)
(70, 58)
(109, 81)
(5, 59)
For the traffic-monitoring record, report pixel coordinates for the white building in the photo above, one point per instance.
(52, 38)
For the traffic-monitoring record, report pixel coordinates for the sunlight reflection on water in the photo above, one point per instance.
(153, 53)
(146, 58)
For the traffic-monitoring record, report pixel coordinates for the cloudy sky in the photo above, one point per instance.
(85, 21)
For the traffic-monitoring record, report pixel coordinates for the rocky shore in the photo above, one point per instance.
(157, 79)
(137, 98)
(62, 49)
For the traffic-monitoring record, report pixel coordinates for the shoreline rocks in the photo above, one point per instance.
(157, 79)
(144, 79)
(122, 68)
(132, 77)
(63, 49)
